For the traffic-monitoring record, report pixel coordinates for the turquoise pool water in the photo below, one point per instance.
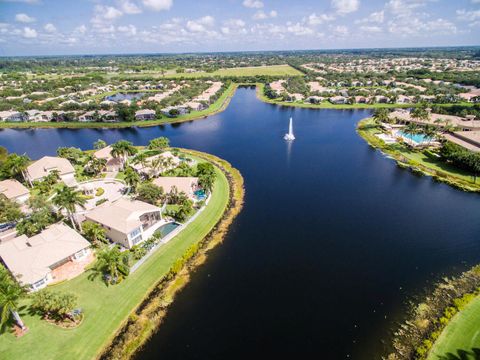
(166, 229)
(418, 138)
(200, 195)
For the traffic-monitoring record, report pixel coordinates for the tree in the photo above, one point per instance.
(420, 113)
(159, 143)
(381, 115)
(95, 166)
(14, 166)
(150, 193)
(3, 154)
(54, 305)
(10, 294)
(9, 210)
(112, 265)
(99, 144)
(67, 198)
(70, 153)
(41, 216)
(94, 232)
(206, 176)
(131, 178)
(123, 149)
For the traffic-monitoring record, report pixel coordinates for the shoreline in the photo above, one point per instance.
(217, 107)
(443, 175)
(148, 316)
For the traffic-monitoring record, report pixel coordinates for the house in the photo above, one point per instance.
(195, 106)
(127, 222)
(58, 253)
(173, 111)
(361, 99)
(338, 100)
(145, 114)
(14, 190)
(113, 164)
(381, 99)
(188, 185)
(41, 168)
(315, 99)
(88, 116)
(166, 161)
(13, 116)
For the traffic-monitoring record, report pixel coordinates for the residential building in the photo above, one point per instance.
(188, 185)
(145, 114)
(58, 253)
(13, 116)
(113, 164)
(44, 166)
(14, 190)
(127, 222)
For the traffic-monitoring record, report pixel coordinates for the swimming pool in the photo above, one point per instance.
(166, 229)
(200, 195)
(417, 138)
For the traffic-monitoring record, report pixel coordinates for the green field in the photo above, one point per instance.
(271, 70)
(107, 308)
(460, 337)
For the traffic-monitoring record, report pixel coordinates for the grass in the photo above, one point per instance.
(107, 308)
(271, 70)
(219, 105)
(328, 105)
(418, 160)
(462, 334)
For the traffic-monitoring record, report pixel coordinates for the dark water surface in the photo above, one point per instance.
(332, 241)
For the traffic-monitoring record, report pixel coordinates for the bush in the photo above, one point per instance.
(99, 192)
(100, 202)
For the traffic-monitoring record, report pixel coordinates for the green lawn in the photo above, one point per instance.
(462, 334)
(271, 70)
(106, 308)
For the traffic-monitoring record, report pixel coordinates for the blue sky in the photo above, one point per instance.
(49, 27)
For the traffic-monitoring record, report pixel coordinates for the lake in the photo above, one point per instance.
(333, 240)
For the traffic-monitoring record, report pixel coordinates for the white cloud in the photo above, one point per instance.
(104, 16)
(129, 7)
(468, 15)
(50, 28)
(24, 18)
(314, 19)
(370, 29)
(376, 17)
(29, 33)
(82, 29)
(158, 5)
(235, 23)
(130, 30)
(343, 7)
(200, 25)
(398, 7)
(261, 15)
(340, 31)
(255, 4)
(299, 29)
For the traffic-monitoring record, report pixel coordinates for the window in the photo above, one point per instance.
(136, 240)
(135, 233)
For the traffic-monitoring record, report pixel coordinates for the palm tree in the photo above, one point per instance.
(155, 165)
(131, 178)
(123, 149)
(380, 115)
(16, 165)
(10, 294)
(430, 132)
(94, 232)
(111, 264)
(67, 198)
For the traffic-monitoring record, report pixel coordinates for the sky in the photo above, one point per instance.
(56, 27)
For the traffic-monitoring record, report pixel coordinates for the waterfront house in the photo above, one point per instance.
(14, 190)
(13, 116)
(195, 106)
(113, 164)
(145, 114)
(188, 185)
(127, 222)
(166, 161)
(338, 100)
(44, 166)
(58, 253)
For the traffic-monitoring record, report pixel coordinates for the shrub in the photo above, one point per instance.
(99, 192)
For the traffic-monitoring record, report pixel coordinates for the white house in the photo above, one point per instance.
(14, 190)
(13, 116)
(145, 114)
(44, 166)
(127, 222)
(58, 253)
(188, 185)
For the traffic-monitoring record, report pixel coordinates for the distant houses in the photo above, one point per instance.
(56, 254)
(145, 114)
(13, 116)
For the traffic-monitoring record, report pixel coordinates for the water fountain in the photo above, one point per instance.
(289, 136)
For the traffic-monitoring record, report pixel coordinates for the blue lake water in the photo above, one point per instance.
(333, 240)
